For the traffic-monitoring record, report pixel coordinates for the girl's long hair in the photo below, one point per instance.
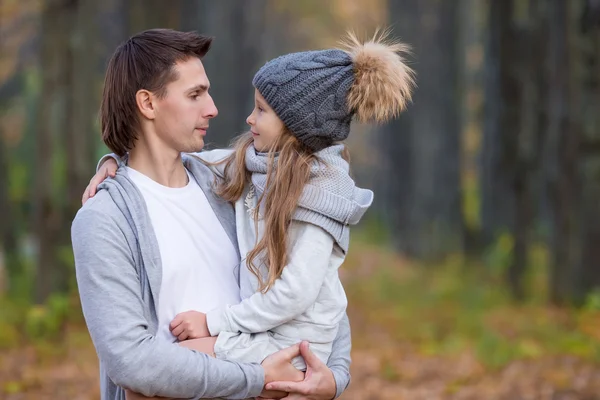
(283, 188)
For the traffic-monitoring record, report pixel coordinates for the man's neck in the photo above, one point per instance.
(163, 166)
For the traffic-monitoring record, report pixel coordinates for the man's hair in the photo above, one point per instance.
(145, 61)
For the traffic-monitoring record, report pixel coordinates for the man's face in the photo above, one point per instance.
(182, 115)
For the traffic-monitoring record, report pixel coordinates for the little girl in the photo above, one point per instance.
(294, 198)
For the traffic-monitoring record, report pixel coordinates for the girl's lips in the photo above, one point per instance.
(254, 134)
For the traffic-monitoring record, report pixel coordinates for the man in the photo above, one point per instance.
(156, 241)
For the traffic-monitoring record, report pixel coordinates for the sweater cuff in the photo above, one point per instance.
(257, 384)
(216, 321)
(121, 161)
(342, 380)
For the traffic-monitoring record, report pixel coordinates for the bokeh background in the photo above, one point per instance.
(476, 275)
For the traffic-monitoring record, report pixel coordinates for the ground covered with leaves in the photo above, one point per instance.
(419, 332)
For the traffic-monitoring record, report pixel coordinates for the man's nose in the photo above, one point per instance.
(211, 109)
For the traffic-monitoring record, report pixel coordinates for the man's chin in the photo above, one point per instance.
(196, 148)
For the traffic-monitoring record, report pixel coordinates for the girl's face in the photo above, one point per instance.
(265, 125)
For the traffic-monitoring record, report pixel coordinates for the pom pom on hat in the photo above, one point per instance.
(383, 83)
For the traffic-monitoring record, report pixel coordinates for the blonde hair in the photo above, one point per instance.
(282, 192)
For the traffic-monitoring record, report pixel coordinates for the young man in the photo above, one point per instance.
(156, 241)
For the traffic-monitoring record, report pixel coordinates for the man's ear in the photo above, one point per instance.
(145, 102)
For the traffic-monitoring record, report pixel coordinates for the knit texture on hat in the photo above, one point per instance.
(309, 91)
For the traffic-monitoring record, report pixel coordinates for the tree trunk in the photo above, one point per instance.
(6, 227)
(81, 109)
(56, 20)
(423, 151)
(564, 142)
(497, 203)
(234, 58)
(586, 98)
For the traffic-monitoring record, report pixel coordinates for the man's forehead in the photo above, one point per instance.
(191, 73)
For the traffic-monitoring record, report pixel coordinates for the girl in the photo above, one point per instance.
(294, 198)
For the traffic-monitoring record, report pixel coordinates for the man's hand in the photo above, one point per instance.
(278, 367)
(189, 325)
(318, 384)
(108, 168)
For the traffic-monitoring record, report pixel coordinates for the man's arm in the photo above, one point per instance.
(111, 299)
(339, 360)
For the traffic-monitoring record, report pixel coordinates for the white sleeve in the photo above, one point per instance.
(214, 156)
(291, 295)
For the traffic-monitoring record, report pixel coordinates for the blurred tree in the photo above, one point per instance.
(52, 122)
(83, 82)
(514, 128)
(496, 193)
(422, 147)
(149, 14)
(585, 102)
(562, 146)
(237, 52)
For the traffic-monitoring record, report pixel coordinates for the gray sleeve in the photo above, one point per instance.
(110, 293)
(339, 360)
(107, 157)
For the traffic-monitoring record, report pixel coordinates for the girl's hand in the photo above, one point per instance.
(108, 168)
(189, 325)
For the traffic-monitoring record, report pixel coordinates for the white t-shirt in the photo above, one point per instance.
(199, 262)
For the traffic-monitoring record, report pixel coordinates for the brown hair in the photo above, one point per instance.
(282, 193)
(145, 61)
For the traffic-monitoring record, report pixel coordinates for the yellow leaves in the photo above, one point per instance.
(12, 387)
(589, 323)
(9, 335)
(529, 348)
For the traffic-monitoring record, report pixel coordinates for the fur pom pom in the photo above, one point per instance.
(383, 83)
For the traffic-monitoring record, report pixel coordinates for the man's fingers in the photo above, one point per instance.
(290, 352)
(282, 386)
(309, 357)
(273, 395)
(182, 336)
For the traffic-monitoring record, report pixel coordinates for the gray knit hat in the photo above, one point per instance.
(316, 93)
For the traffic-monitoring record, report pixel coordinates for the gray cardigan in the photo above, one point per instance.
(118, 271)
